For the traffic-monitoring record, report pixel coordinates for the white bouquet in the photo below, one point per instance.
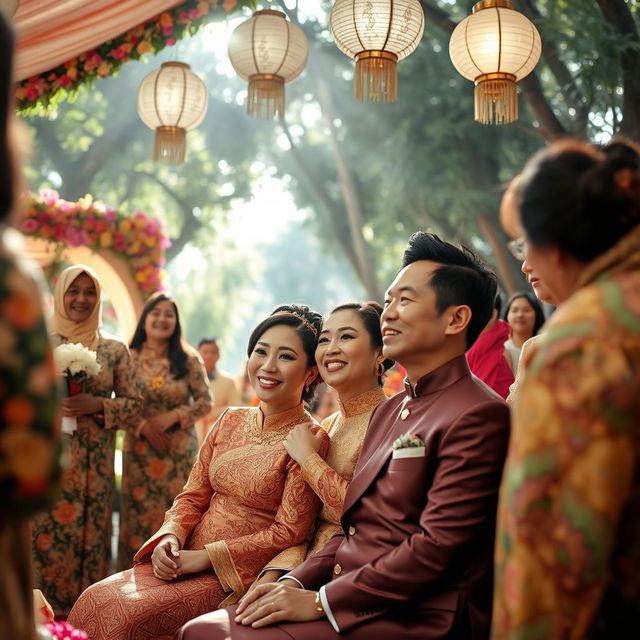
(75, 362)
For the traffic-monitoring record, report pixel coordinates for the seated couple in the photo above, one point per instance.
(413, 556)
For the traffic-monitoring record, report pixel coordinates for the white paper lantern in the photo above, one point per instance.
(495, 47)
(377, 34)
(268, 51)
(172, 100)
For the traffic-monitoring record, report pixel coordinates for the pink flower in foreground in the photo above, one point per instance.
(92, 61)
(64, 631)
(29, 225)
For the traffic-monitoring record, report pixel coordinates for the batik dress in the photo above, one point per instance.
(72, 541)
(29, 437)
(330, 478)
(244, 502)
(152, 479)
(568, 541)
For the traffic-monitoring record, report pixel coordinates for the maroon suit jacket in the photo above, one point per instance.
(415, 557)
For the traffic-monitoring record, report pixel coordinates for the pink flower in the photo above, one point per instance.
(120, 242)
(170, 41)
(93, 60)
(64, 81)
(29, 225)
(167, 31)
(139, 215)
(74, 237)
(109, 215)
(49, 196)
(64, 631)
(165, 242)
(58, 233)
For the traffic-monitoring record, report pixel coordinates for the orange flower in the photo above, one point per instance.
(144, 46)
(140, 447)
(139, 493)
(65, 513)
(21, 311)
(156, 468)
(18, 411)
(166, 20)
(44, 541)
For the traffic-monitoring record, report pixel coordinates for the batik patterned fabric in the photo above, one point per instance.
(245, 501)
(330, 478)
(29, 437)
(72, 541)
(568, 544)
(152, 479)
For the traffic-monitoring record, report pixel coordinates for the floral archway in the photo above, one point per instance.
(127, 251)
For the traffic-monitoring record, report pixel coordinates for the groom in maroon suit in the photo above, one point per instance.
(414, 559)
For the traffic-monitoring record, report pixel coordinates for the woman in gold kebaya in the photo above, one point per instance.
(349, 359)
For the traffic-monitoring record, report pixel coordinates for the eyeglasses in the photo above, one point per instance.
(518, 248)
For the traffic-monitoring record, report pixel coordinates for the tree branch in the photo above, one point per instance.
(618, 14)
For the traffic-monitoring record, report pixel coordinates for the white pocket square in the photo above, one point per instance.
(410, 452)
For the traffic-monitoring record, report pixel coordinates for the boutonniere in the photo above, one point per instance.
(409, 445)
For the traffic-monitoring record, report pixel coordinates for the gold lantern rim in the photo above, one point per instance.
(495, 75)
(269, 12)
(175, 63)
(489, 4)
(376, 53)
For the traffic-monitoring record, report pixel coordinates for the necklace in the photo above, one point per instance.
(156, 378)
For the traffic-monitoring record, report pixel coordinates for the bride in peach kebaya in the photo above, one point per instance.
(245, 500)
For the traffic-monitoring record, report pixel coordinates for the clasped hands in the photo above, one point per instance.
(274, 602)
(169, 562)
(154, 429)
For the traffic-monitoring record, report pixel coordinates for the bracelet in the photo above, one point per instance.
(318, 604)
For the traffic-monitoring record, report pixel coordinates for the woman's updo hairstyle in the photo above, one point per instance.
(307, 324)
(581, 198)
(370, 313)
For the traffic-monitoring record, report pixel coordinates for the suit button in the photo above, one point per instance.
(352, 531)
(337, 569)
(405, 414)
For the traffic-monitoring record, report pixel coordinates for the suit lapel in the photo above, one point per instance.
(378, 452)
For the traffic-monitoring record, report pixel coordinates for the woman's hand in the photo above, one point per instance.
(163, 421)
(302, 442)
(277, 602)
(193, 562)
(159, 440)
(164, 557)
(268, 576)
(81, 405)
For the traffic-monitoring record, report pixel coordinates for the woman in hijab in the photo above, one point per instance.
(71, 543)
(28, 400)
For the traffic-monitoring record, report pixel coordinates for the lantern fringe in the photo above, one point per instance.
(495, 101)
(376, 80)
(170, 145)
(266, 96)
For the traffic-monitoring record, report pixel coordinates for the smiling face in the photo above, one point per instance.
(161, 321)
(278, 369)
(80, 298)
(521, 317)
(413, 333)
(346, 359)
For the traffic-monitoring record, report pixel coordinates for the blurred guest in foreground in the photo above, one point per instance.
(568, 544)
(29, 439)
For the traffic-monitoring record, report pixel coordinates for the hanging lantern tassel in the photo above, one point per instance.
(376, 76)
(266, 96)
(495, 98)
(170, 145)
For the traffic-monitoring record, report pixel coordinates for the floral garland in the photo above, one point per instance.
(150, 37)
(139, 239)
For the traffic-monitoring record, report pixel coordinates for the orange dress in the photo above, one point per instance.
(245, 501)
(330, 478)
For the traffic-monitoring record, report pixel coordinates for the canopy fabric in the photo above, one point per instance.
(50, 32)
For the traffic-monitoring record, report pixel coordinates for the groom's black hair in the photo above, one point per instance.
(462, 279)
